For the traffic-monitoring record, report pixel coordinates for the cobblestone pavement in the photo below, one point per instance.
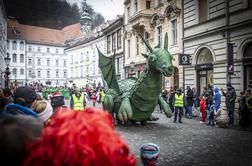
(191, 143)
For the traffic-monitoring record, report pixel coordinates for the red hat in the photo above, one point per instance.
(57, 94)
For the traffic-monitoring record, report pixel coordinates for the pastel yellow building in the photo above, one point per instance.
(152, 19)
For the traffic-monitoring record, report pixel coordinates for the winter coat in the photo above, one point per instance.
(221, 118)
(230, 99)
(189, 97)
(203, 105)
(209, 96)
(217, 98)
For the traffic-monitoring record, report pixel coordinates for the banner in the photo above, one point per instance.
(230, 58)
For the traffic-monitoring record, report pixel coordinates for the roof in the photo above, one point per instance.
(42, 35)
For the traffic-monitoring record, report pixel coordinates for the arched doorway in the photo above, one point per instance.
(247, 62)
(176, 78)
(204, 69)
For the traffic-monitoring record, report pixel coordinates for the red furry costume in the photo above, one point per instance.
(80, 138)
(203, 109)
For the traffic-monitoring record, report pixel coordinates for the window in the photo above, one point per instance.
(136, 6)
(108, 44)
(8, 44)
(48, 49)
(57, 50)
(119, 39)
(39, 73)
(57, 73)
(71, 59)
(39, 62)
(128, 42)
(22, 45)
(147, 39)
(30, 48)
(113, 41)
(249, 3)
(21, 58)
(29, 61)
(128, 11)
(65, 63)
(57, 62)
(174, 32)
(48, 62)
(14, 71)
(159, 2)
(21, 71)
(48, 73)
(39, 49)
(14, 45)
(14, 58)
(148, 4)
(203, 10)
(87, 71)
(137, 45)
(30, 73)
(65, 74)
(159, 36)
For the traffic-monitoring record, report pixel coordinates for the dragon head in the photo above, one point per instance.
(159, 59)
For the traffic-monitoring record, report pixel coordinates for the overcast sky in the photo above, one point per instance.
(108, 8)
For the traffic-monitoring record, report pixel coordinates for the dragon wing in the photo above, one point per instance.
(107, 67)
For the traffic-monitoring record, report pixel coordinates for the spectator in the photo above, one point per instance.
(171, 99)
(189, 102)
(93, 142)
(5, 98)
(221, 118)
(58, 102)
(244, 113)
(217, 98)
(179, 105)
(230, 102)
(77, 101)
(94, 98)
(24, 102)
(203, 109)
(15, 133)
(211, 116)
(44, 111)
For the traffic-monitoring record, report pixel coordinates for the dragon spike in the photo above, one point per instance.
(166, 42)
(148, 46)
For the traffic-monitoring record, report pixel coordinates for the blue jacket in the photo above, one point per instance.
(16, 109)
(217, 98)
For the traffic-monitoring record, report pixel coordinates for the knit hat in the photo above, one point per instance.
(149, 154)
(46, 114)
(25, 92)
(57, 99)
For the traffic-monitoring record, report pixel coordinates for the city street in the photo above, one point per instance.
(190, 143)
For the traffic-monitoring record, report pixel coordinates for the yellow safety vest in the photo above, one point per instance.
(78, 103)
(179, 100)
(102, 96)
(248, 102)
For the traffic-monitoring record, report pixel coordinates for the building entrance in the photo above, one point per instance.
(247, 61)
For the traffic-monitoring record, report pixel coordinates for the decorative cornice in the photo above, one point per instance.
(172, 11)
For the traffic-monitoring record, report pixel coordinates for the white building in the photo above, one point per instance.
(3, 38)
(83, 58)
(114, 44)
(37, 53)
(209, 27)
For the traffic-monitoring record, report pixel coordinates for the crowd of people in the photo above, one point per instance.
(208, 106)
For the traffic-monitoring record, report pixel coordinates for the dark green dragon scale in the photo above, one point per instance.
(135, 99)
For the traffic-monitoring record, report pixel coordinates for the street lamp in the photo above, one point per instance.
(7, 71)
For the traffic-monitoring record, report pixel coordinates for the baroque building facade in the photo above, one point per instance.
(218, 37)
(153, 19)
(3, 39)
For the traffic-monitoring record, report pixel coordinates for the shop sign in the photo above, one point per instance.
(230, 58)
(207, 66)
(184, 59)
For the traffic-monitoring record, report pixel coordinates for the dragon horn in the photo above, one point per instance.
(148, 46)
(166, 41)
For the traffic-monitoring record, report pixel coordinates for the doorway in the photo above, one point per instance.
(204, 77)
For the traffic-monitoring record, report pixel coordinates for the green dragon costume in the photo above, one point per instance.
(135, 99)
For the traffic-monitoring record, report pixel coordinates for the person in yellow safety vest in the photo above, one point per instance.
(78, 101)
(179, 105)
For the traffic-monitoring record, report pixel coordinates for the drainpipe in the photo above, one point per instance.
(228, 37)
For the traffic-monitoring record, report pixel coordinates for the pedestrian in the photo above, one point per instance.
(58, 102)
(80, 138)
(44, 111)
(102, 96)
(217, 98)
(5, 98)
(171, 99)
(189, 102)
(195, 103)
(24, 101)
(244, 114)
(230, 95)
(94, 98)
(211, 116)
(203, 109)
(15, 133)
(179, 105)
(78, 101)
(209, 99)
